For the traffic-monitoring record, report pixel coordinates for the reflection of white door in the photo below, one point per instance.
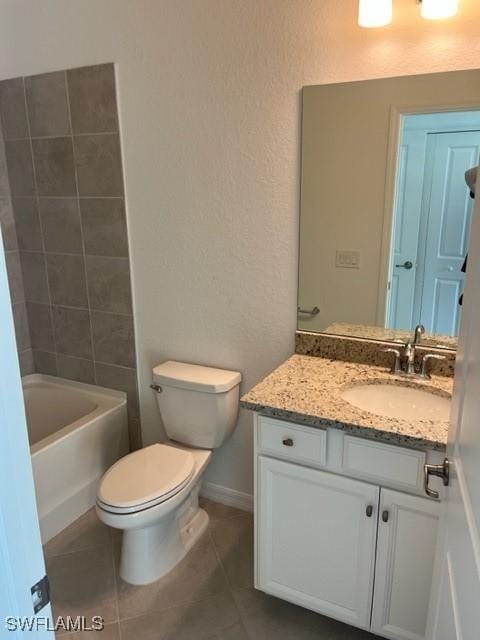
(408, 206)
(455, 605)
(21, 558)
(446, 214)
(431, 219)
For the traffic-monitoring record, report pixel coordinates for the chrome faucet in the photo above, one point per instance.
(418, 333)
(409, 358)
(410, 349)
(404, 363)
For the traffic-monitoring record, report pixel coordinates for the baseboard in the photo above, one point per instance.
(229, 497)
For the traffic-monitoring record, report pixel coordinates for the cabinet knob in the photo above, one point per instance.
(369, 511)
(385, 515)
(288, 442)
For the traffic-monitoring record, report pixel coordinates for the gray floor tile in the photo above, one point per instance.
(237, 632)
(199, 621)
(217, 511)
(198, 576)
(110, 632)
(266, 618)
(83, 584)
(233, 540)
(85, 533)
(204, 598)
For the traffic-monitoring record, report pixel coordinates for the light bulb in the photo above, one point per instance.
(374, 13)
(439, 9)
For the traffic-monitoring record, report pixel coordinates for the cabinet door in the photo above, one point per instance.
(315, 539)
(407, 533)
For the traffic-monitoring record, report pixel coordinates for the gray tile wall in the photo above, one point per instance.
(14, 269)
(63, 156)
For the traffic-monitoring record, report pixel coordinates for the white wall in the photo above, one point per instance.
(209, 104)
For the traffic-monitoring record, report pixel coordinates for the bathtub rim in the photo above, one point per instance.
(108, 401)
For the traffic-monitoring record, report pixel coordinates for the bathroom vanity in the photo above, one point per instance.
(343, 525)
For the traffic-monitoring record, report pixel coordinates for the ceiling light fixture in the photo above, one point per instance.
(438, 9)
(374, 13)
(379, 13)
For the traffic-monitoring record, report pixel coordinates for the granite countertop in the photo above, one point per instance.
(307, 389)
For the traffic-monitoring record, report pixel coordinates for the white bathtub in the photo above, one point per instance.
(76, 431)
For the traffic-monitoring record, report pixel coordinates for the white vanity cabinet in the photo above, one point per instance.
(350, 548)
(407, 532)
(316, 543)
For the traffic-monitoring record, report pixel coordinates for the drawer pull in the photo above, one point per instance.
(369, 511)
(385, 515)
(288, 442)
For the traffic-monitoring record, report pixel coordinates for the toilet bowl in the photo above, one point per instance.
(152, 494)
(160, 518)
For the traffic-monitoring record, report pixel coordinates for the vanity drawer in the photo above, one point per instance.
(292, 441)
(383, 463)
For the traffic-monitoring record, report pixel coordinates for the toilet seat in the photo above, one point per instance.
(145, 478)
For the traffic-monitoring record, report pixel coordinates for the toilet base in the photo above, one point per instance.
(149, 554)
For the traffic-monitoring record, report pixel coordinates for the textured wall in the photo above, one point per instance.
(209, 100)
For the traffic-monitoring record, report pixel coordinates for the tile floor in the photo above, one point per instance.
(209, 596)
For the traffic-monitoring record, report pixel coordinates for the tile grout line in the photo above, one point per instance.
(69, 306)
(69, 109)
(227, 580)
(181, 605)
(66, 253)
(35, 183)
(60, 353)
(70, 197)
(56, 137)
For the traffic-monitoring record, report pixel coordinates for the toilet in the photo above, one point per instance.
(152, 494)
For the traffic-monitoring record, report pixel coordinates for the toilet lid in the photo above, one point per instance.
(146, 477)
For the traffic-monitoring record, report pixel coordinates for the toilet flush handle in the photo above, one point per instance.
(156, 387)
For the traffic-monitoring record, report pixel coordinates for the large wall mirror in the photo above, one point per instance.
(386, 206)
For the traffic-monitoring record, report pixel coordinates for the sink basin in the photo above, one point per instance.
(401, 402)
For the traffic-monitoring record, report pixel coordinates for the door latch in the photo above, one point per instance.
(441, 471)
(40, 594)
(406, 265)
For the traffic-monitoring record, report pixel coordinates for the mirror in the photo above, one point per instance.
(385, 206)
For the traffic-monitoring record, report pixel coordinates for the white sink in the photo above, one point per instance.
(401, 402)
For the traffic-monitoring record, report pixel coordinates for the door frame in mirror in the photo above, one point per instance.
(397, 113)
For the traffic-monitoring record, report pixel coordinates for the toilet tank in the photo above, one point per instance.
(198, 405)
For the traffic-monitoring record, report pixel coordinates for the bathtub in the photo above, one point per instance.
(76, 432)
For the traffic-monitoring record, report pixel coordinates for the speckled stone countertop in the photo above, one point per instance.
(307, 390)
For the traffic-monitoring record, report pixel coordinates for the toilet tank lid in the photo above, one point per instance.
(195, 377)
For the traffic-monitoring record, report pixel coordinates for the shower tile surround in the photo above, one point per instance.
(62, 213)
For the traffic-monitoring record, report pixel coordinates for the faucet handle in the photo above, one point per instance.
(396, 367)
(425, 360)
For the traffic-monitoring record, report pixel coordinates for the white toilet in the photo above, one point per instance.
(152, 494)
